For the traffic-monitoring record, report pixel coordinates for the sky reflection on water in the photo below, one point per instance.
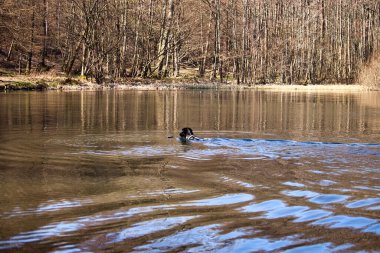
(274, 172)
(61, 228)
(271, 209)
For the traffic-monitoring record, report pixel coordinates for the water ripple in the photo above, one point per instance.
(320, 248)
(328, 198)
(294, 184)
(363, 202)
(241, 183)
(289, 211)
(275, 209)
(63, 227)
(49, 206)
(264, 206)
(344, 221)
(227, 199)
(209, 238)
(310, 215)
(147, 227)
(317, 198)
(329, 153)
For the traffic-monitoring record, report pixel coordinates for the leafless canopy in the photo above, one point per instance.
(244, 41)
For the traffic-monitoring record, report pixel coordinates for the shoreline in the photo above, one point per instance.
(60, 83)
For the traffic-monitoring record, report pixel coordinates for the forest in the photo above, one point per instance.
(237, 41)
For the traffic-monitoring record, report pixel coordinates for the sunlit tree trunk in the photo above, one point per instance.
(216, 66)
(165, 36)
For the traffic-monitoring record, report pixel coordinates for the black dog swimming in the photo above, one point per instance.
(186, 134)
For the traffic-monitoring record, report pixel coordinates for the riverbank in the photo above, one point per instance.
(51, 82)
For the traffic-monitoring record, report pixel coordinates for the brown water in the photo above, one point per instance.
(95, 172)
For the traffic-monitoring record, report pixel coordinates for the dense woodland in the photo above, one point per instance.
(244, 41)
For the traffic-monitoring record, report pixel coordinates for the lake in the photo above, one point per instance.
(95, 171)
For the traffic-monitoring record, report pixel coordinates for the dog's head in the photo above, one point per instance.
(187, 133)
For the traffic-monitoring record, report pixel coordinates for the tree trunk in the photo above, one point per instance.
(216, 62)
(205, 48)
(10, 51)
(164, 38)
(42, 63)
(31, 43)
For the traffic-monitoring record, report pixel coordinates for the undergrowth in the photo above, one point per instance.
(370, 73)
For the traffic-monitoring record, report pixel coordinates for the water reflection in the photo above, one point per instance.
(64, 227)
(147, 227)
(294, 114)
(363, 203)
(268, 205)
(253, 149)
(276, 209)
(311, 215)
(343, 221)
(209, 239)
(320, 248)
(317, 198)
(50, 206)
(228, 199)
(95, 171)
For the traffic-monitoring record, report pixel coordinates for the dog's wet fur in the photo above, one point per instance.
(186, 134)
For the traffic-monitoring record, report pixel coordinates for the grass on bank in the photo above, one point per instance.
(35, 81)
(369, 80)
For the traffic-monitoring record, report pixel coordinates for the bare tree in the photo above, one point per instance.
(250, 41)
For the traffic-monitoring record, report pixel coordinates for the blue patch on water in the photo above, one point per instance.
(373, 229)
(300, 193)
(328, 198)
(363, 203)
(264, 206)
(311, 215)
(227, 199)
(148, 227)
(294, 184)
(289, 211)
(344, 221)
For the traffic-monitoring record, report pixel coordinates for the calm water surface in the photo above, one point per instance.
(96, 172)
